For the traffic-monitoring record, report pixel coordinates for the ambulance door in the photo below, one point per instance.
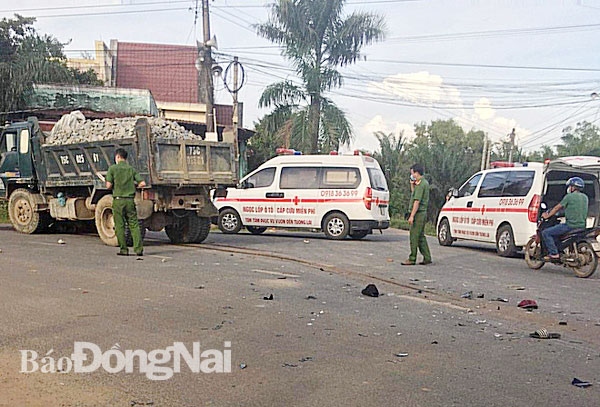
(299, 189)
(461, 209)
(492, 206)
(256, 201)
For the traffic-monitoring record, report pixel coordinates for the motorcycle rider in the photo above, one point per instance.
(575, 203)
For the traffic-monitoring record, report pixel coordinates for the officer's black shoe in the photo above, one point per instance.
(140, 254)
(123, 254)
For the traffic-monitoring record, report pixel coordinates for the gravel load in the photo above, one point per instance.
(75, 128)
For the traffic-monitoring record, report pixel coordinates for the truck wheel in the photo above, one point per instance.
(203, 231)
(184, 230)
(229, 221)
(505, 242)
(444, 235)
(105, 222)
(256, 230)
(336, 226)
(129, 238)
(22, 213)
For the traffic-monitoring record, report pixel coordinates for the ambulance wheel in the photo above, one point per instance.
(105, 222)
(129, 238)
(359, 234)
(336, 226)
(256, 230)
(203, 231)
(22, 213)
(444, 235)
(229, 221)
(505, 242)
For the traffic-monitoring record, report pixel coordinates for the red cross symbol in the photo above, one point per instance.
(296, 201)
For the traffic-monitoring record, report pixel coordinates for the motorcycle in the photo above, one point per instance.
(577, 248)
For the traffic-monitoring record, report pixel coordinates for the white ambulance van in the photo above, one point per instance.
(342, 195)
(502, 205)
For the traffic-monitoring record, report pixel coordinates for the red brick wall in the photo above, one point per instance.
(167, 70)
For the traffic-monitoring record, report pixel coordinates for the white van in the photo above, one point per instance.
(501, 205)
(342, 195)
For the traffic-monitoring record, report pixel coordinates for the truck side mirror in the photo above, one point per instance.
(454, 193)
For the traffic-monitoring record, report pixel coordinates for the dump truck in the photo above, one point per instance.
(49, 183)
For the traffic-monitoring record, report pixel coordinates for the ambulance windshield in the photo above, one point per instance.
(377, 178)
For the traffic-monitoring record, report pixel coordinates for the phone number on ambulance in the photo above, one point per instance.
(338, 192)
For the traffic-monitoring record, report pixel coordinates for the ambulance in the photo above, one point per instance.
(501, 205)
(341, 195)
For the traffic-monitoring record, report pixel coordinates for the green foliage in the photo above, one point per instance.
(546, 152)
(395, 165)
(317, 38)
(3, 211)
(27, 57)
(584, 139)
(398, 222)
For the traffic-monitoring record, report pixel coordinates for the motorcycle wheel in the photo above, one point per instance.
(532, 255)
(588, 260)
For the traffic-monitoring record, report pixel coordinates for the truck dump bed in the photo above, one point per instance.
(160, 161)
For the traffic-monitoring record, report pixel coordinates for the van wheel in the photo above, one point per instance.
(359, 234)
(229, 221)
(105, 222)
(444, 235)
(22, 213)
(256, 230)
(336, 226)
(505, 242)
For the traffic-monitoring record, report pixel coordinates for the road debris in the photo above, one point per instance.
(562, 322)
(580, 383)
(401, 355)
(311, 297)
(544, 334)
(500, 299)
(60, 241)
(516, 287)
(133, 403)
(528, 304)
(370, 291)
(269, 298)
(199, 287)
(306, 241)
(243, 366)
(389, 260)
(468, 295)
(480, 295)
(480, 321)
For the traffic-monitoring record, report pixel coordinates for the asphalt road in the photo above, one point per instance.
(336, 349)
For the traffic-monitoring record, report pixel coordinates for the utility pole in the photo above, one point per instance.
(235, 107)
(205, 83)
(512, 145)
(484, 152)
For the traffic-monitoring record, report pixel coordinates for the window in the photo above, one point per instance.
(24, 141)
(377, 178)
(263, 178)
(493, 184)
(9, 143)
(518, 183)
(299, 178)
(340, 178)
(469, 187)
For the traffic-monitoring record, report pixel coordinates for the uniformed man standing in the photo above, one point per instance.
(122, 179)
(419, 199)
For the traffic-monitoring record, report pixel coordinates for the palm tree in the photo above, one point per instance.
(317, 38)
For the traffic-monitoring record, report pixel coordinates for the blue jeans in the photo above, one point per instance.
(549, 235)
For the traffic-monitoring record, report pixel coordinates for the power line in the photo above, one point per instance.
(95, 6)
(104, 13)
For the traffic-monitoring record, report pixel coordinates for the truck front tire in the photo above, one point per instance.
(188, 229)
(22, 213)
(105, 222)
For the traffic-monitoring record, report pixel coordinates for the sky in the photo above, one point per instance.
(492, 65)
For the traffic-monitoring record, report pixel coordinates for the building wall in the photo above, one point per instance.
(102, 64)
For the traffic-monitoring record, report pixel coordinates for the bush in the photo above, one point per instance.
(3, 211)
(398, 222)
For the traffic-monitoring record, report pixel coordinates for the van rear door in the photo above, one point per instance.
(380, 196)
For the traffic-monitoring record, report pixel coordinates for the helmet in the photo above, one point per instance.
(576, 182)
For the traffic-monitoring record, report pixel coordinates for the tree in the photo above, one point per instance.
(27, 57)
(584, 139)
(318, 39)
(394, 164)
(546, 152)
(449, 156)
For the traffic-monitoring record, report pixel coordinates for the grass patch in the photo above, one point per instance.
(398, 222)
(3, 212)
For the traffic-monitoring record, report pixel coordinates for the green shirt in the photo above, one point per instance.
(576, 209)
(123, 178)
(420, 193)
